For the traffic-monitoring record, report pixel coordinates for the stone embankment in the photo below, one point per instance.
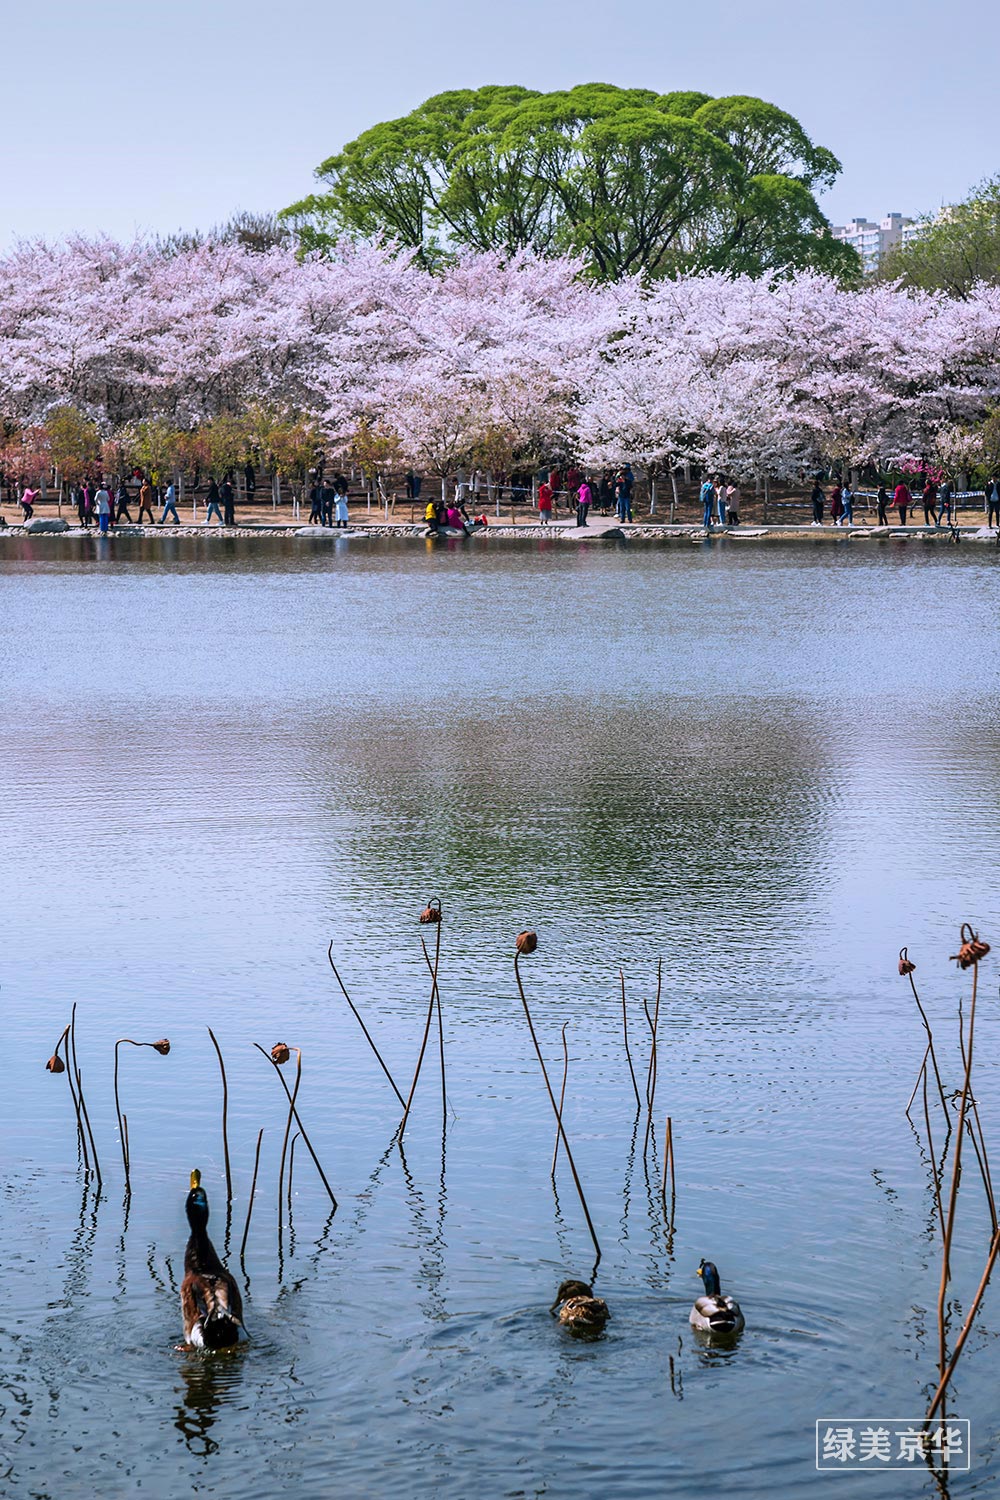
(598, 529)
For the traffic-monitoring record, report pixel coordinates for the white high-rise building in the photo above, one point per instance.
(871, 240)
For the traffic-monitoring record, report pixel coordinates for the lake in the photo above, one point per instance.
(766, 766)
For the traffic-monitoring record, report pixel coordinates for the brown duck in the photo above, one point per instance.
(210, 1299)
(577, 1308)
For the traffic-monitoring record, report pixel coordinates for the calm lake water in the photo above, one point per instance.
(767, 766)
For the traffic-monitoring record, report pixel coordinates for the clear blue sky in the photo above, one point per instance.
(151, 117)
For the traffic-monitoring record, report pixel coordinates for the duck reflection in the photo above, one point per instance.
(211, 1380)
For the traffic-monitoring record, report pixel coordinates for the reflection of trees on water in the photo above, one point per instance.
(689, 823)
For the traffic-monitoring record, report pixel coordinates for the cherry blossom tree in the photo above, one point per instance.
(494, 361)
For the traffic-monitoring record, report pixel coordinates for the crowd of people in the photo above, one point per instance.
(611, 491)
(106, 504)
(103, 504)
(935, 497)
(440, 516)
(720, 502)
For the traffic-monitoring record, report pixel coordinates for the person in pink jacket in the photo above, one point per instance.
(583, 499)
(901, 499)
(28, 502)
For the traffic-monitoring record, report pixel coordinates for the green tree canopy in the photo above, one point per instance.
(632, 180)
(958, 248)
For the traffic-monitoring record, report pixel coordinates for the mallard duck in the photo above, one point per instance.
(210, 1299)
(578, 1308)
(715, 1313)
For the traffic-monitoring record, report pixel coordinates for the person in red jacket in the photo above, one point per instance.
(901, 500)
(836, 503)
(544, 503)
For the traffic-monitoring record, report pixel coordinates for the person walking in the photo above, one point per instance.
(228, 499)
(545, 502)
(121, 504)
(707, 497)
(583, 499)
(146, 501)
(170, 505)
(249, 479)
(605, 494)
(328, 500)
(847, 502)
(733, 499)
(944, 503)
(212, 502)
(901, 498)
(992, 488)
(882, 500)
(316, 504)
(836, 503)
(27, 502)
(80, 501)
(818, 499)
(929, 502)
(102, 500)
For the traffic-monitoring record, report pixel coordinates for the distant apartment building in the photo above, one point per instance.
(871, 241)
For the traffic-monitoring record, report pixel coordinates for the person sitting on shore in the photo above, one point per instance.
(454, 518)
(431, 515)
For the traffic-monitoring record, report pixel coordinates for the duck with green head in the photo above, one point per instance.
(210, 1299)
(715, 1313)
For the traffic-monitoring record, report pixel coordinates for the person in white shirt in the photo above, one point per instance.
(103, 502)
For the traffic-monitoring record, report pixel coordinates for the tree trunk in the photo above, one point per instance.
(673, 494)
